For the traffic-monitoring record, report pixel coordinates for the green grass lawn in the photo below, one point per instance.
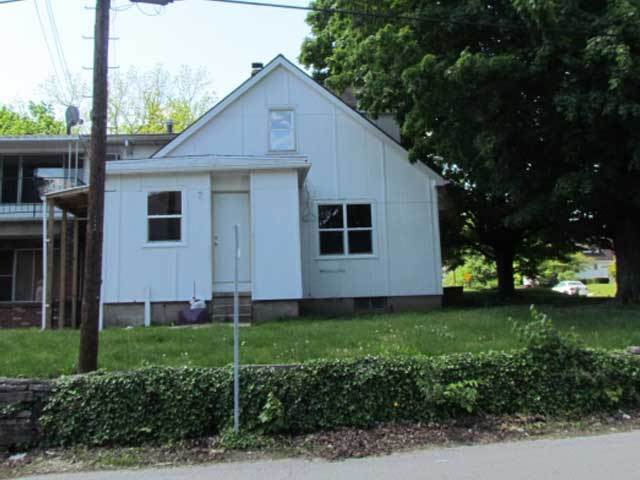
(602, 289)
(32, 353)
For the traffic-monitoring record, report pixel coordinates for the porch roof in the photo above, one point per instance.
(210, 163)
(74, 200)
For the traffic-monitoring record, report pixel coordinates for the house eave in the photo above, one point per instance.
(208, 163)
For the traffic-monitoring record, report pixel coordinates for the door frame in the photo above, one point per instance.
(244, 287)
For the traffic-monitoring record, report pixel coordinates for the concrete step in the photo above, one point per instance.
(228, 309)
(222, 307)
(217, 301)
(224, 318)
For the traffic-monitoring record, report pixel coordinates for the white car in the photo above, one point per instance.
(571, 287)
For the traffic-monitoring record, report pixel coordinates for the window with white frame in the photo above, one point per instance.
(164, 216)
(282, 135)
(345, 229)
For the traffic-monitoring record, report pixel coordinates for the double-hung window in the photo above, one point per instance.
(164, 216)
(345, 229)
(282, 134)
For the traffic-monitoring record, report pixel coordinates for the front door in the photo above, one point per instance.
(230, 209)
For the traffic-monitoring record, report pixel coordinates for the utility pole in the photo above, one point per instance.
(90, 309)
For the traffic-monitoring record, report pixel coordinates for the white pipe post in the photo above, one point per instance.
(236, 335)
(75, 182)
(147, 307)
(44, 263)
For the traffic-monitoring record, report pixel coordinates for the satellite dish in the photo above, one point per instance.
(72, 117)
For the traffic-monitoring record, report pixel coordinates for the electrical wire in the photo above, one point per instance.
(52, 57)
(158, 10)
(392, 16)
(58, 44)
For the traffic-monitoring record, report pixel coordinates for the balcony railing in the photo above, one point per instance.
(21, 198)
(22, 210)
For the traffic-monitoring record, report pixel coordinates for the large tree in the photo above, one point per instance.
(33, 119)
(464, 79)
(599, 98)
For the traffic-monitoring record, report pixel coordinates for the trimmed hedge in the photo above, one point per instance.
(552, 376)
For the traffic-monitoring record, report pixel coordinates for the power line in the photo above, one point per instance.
(393, 16)
(58, 44)
(52, 58)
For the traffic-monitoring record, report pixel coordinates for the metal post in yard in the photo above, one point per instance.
(236, 335)
(45, 237)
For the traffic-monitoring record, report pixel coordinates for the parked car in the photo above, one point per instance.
(571, 287)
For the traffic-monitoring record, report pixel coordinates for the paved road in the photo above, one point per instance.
(615, 456)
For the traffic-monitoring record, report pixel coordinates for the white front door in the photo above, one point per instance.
(230, 209)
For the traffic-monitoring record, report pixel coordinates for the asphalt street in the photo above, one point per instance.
(614, 456)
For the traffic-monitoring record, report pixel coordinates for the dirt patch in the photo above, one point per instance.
(333, 445)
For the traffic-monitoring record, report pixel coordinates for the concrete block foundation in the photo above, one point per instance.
(166, 313)
(264, 311)
(132, 314)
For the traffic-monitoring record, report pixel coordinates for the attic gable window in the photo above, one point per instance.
(282, 130)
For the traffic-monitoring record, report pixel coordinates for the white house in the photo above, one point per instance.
(333, 217)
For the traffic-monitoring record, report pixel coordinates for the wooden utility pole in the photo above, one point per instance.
(90, 309)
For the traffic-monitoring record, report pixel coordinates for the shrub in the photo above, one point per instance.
(553, 375)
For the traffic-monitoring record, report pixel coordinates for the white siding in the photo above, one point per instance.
(350, 161)
(131, 265)
(275, 234)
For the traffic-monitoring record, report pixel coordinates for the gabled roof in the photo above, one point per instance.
(283, 62)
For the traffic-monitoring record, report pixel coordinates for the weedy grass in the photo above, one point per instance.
(483, 325)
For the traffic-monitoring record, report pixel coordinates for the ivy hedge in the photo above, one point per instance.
(553, 375)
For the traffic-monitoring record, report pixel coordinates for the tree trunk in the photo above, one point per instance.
(504, 267)
(90, 308)
(627, 246)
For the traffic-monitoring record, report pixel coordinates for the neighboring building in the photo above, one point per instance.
(333, 218)
(600, 260)
(26, 164)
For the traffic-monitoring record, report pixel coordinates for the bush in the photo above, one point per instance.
(553, 375)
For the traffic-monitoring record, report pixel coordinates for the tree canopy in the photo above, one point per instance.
(141, 101)
(515, 101)
(34, 119)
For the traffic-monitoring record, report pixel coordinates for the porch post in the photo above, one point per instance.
(62, 300)
(49, 270)
(74, 273)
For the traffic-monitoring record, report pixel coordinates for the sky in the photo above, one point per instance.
(224, 38)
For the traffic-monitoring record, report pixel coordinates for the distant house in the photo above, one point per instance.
(598, 267)
(332, 216)
(27, 164)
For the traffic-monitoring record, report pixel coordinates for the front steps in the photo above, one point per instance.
(222, 307)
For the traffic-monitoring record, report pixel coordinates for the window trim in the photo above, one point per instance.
(165, 243)
(345, 229)
(294, 129)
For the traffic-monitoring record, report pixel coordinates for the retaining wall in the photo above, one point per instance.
(21, 403)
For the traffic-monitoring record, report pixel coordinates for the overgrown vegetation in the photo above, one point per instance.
(32, 353)
(552, 375)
